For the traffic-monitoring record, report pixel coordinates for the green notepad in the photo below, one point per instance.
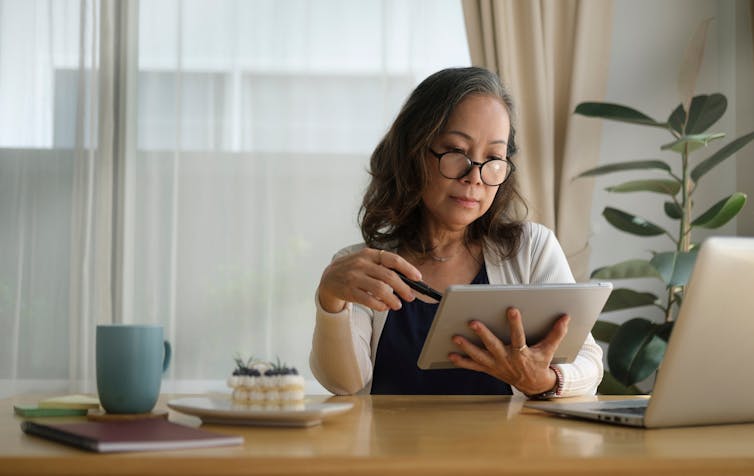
(34, 411)
(79, 402)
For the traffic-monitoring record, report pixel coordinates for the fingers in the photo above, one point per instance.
(381, 284)
(341, 284)
(387, 276)
(547, 345)
(386, 272)
(489, 340)
(556, 334)
(367, 278)
(395, 261)
(474, 353)
(369, 300)
(466, 363)
(516, 325)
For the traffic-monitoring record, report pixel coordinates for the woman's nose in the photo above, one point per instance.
(474, 175)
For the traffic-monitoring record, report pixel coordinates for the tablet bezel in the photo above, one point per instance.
(540, 305)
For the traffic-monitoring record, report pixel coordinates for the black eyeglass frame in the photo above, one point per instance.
(471, 164)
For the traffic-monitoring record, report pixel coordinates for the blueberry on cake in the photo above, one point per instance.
(267, 384)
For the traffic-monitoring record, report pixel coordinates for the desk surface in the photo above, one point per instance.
(409, 435)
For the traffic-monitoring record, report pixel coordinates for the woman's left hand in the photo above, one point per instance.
(526, 368)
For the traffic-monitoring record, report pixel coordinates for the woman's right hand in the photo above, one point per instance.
(366, 278)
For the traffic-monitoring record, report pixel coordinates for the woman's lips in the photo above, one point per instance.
(466, 202)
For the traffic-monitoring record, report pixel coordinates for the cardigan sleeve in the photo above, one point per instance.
(584, 374)
(340, 358)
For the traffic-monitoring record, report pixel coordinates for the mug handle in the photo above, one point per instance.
(166, 358)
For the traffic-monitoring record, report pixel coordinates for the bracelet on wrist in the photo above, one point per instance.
(555, 391)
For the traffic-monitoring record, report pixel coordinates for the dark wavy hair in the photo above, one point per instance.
(392, 212)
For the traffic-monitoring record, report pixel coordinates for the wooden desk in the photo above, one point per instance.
(410, 435)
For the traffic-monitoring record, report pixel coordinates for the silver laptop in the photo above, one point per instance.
(707, 374)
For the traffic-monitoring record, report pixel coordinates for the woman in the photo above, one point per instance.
(441, 208)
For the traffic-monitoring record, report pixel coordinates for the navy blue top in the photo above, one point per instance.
(395, 369)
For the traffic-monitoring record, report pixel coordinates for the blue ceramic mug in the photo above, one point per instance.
(131, 359)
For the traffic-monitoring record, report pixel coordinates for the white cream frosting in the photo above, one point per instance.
(272, 388)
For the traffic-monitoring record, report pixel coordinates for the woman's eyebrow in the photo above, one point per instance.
(469, 138)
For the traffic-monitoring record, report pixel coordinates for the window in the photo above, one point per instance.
(248, 130)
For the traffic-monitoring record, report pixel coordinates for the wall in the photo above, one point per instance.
(742, 56)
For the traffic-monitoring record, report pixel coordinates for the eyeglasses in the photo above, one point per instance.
(454, 165)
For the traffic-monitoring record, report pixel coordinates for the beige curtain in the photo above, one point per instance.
(551, 54)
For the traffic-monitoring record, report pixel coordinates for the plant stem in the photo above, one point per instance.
(671, 299)
(684, 238)
(684, 233)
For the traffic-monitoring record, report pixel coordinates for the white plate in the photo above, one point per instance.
(225, 411)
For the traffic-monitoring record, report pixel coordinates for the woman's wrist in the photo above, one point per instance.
(330, 305)
(555, 390)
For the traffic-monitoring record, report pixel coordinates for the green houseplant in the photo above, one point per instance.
(636, 347)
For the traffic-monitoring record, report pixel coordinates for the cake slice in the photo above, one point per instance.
(266, 384)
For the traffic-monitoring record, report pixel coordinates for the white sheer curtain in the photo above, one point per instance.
(55, 190)
(243, 134)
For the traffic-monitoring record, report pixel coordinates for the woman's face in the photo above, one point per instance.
(478, 127)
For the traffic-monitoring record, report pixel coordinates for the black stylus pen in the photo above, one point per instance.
(420, 286)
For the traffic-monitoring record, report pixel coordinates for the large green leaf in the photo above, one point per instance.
(633, 268)
(712, 161)
(616, 112)
(635, 351)
(722, 212)
(631, 223)
(705, 111)
(604, 331)
(676, 119)
(664, 186)
(611, 386)
(623, 166)
(623, 298)
(675, 266)
(673, 210)
(692, 142)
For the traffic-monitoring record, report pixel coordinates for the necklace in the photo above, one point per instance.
(440, 259)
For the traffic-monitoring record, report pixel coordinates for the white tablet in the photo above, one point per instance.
(541, 305)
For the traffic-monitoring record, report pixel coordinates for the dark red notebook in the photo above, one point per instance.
(134, 435)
